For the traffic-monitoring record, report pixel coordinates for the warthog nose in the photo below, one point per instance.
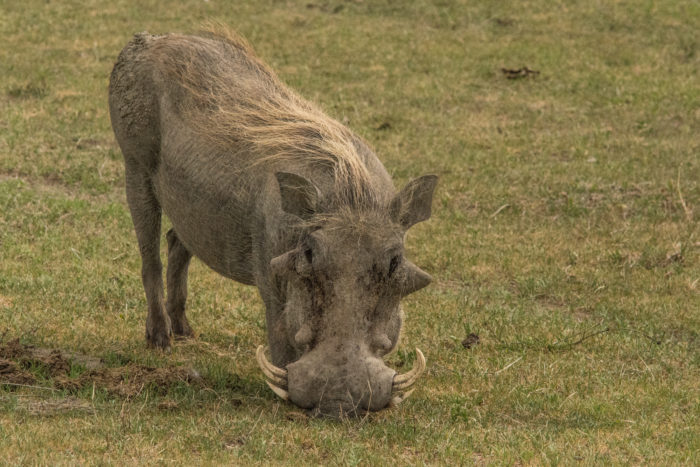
(358, 383)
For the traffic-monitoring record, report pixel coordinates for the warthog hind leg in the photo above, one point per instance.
(178, 263)
(146, 214)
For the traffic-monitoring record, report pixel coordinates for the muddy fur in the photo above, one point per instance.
(266, 190)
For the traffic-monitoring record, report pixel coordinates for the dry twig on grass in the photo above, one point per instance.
(569, 345)
(688, 212)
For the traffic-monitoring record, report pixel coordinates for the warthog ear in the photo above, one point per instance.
(412, 204)
(298, 195)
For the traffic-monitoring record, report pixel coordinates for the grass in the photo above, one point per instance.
(564, 234)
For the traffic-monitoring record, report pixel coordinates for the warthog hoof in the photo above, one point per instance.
(181, 329)
(158, 333)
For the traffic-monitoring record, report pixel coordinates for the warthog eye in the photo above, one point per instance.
(308, 255)
(394, 263)
(303, 264)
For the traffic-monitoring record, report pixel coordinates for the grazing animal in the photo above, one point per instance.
(267, 190)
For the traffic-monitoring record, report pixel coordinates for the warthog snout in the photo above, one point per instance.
(345, 385)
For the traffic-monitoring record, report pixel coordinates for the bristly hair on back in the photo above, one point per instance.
(230, 96)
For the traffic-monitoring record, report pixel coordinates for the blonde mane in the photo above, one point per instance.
(231, 97)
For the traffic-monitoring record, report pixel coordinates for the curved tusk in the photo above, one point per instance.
(279, 391)
(405, 380)
(277, 375)
(279, 382)
(396, 400)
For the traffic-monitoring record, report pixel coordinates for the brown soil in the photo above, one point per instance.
(470, 341)
(518, 73)
(17, 359)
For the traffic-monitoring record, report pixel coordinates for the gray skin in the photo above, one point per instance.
(331, 289)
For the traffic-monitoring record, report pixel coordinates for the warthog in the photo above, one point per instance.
(267, 190)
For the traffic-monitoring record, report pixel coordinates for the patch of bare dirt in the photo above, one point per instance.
(11, 373)
(504, 22)
(17, 360)
(470, 341)
(517, 73)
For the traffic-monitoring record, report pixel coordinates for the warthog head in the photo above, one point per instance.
(343, 283)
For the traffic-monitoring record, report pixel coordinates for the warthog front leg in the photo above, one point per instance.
(178, 263)
(146, 214)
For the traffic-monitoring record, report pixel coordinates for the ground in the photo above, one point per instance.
(563, 321)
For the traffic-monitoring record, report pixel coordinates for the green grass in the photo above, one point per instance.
(564, 233)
